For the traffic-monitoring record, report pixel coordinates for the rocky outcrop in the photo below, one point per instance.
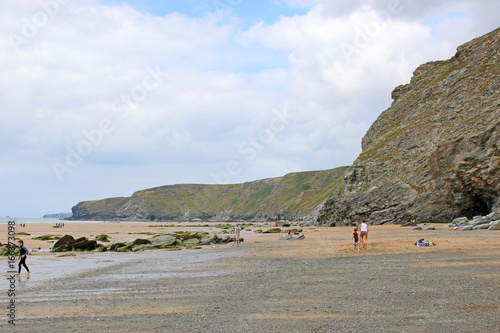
(434, 154)
(163, 241)
(490, 222)
(171, 242)
(293, 237)
(68, 243)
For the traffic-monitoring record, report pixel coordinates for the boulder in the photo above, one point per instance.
(272, 231)
(80, 244)
(139, 247)
(495, 225)
(83, 244)
(480, 221)
(47, 237)
(293, 237)
(101, 248)
(493, 216)
(431, 227)
(183, 235)
(481, 226)
(417, 228)
(191, 242)
(102, 238)
(140, 241)
(116, 246)
(460, 221)
(207, 241)
(167, 240)
(465, 228)
(126, 248)
(63, 242)
(223, 239)
(158, 246)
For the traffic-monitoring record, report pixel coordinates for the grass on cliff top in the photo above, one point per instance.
(105, 205)
(267, 195)
(305, 191)
(295, 192)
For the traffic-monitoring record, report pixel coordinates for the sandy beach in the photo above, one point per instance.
(313, 285)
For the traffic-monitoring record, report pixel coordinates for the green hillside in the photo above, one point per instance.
(293, 196)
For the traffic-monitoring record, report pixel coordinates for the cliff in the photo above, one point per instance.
(434, 154)
(295, 196)
(57, 216)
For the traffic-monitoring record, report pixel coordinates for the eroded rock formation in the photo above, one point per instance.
(434, 154)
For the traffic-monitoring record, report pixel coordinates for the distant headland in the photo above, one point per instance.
(57, 216)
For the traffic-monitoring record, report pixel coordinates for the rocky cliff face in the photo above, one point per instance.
(296, 196)
(434, 154)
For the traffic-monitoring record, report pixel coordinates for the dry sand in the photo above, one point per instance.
(314, 285)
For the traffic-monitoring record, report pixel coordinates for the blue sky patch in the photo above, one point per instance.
(248, 12)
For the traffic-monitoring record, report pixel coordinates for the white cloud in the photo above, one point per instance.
(83, 80)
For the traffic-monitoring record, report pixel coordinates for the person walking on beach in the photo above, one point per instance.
(356, 238)
(236, 234)
(363, 233)
(23, 252)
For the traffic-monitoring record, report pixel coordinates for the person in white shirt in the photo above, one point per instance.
(363, 233)
(236, 235)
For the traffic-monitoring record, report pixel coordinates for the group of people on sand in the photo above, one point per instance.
(361, 239)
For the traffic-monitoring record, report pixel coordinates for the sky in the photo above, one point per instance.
(102, 98)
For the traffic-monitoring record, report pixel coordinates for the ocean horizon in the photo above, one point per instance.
(4, 220)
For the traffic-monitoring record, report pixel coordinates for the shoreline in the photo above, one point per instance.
(333, 241)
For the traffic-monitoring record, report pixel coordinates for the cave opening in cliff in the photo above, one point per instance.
(478, 207)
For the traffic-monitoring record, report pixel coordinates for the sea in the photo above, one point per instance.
(27, 220)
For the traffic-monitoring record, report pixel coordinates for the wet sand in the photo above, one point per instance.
(315, 285)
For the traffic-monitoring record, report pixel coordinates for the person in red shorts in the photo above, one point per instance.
(356, 238)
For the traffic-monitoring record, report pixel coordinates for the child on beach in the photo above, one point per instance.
(23, 252)
(355, 237)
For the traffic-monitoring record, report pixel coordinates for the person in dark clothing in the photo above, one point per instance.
(355, 237)
(23, 252)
